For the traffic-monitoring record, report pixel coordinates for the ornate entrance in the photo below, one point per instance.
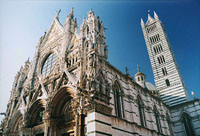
(62, 114)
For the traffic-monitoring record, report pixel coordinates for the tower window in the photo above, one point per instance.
(154, 50)
(161, 59)
(151, 28)
(167, 82)
(157, 49)
(155, 38)
(164, 70)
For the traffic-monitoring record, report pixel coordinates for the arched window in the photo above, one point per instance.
(118, 100)
(159, 60)
(169, 125)
(157, 118)
(48, 64)
(186, 120)
(167, 82)
(141, 111)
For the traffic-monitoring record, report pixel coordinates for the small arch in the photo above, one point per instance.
(118, 99)
(157, 118)
(187, 124)
(60, 99)
(15, 122)
(169, 124)
(141, 111)
(35, 113)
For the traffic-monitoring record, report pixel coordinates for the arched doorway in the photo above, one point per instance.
(62, 114)
(15, 124)
(35, 117)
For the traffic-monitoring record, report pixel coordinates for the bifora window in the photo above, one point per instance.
(48, 64)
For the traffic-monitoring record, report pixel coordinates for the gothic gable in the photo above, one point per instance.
(55, 31)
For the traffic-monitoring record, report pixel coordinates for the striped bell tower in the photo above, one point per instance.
(166, 73)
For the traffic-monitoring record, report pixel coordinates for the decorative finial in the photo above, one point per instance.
(72, 11)
(138, 68)
(27, 60)
(126, 70)
(193, 95)
(57, 13)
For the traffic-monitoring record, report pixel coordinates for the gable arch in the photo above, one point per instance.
(116, 82)
(141, 110)
(157, 119)
(183, 112)
(186, 121)
(15, 122)
(35, 112)
(118, 99)
(60, 99)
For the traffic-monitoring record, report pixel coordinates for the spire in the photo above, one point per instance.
(72, 12)
(27, 60)
(70, 22)
(90, 13)
(127, 73)
(149, 17)
(83, 20)
(155, 15)
(82, 26)
(142, 22)
(138, 68)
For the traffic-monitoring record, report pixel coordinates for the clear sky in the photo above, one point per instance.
(23, 22)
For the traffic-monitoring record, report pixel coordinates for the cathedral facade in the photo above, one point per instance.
(70, 89)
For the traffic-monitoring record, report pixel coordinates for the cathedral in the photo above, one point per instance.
(70, 88)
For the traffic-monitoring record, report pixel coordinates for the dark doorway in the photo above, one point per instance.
(65, 134)
(41, 134)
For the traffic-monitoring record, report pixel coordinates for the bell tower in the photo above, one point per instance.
(166, 73)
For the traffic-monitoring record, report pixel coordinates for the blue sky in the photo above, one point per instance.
(23, 22)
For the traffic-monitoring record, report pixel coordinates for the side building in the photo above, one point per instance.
(185, 114)
(70, 89)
